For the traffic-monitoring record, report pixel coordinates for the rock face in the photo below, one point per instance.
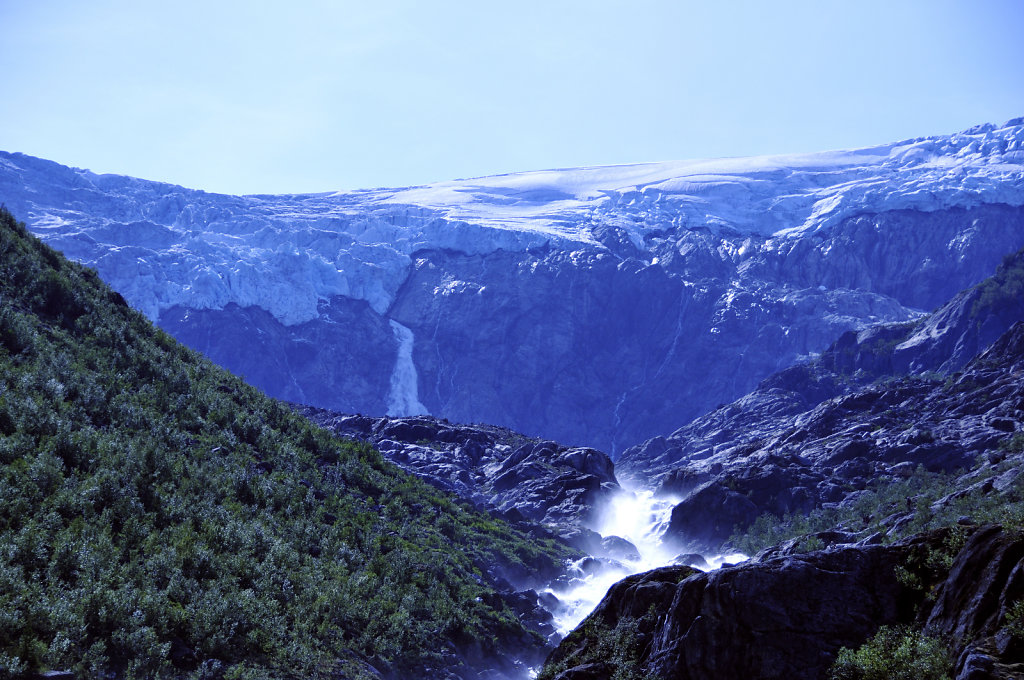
(596, 306)
(290, 362)
(522, 480)
(873, 405)
(787, 616)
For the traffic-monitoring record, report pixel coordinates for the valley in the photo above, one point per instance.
(735, 418)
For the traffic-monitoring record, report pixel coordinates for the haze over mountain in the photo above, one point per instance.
(594, 306)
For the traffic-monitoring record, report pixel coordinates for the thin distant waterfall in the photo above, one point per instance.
(403, 399)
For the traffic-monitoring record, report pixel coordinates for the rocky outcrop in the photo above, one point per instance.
(972, 605)
(522, 480)
(787, 616)
(595, 306)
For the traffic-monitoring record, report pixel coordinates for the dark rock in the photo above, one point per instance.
(976, 665)
(695, 560)
(787, 616)
(986, 578)
(682, 481)
(548, 600)
(848, 451)
(708, 516)
(409, 431)
(858, 467)
(1003, 424)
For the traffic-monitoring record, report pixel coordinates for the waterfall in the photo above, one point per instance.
(403, 398)
(641, 518)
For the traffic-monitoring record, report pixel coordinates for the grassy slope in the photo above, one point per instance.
(159, 517)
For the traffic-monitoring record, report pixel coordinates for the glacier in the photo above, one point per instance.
(598, 306)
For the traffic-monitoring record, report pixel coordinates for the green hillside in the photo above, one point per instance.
(161, 518)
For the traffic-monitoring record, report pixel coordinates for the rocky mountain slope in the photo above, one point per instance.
(594, 306)
(896, 547)
(876, 404)
(161, 518)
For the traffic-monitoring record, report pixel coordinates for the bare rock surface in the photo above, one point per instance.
(523, 480)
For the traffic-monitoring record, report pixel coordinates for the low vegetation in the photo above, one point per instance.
(877, 508)
(160, 518)
(894, 509)
(1004, 288)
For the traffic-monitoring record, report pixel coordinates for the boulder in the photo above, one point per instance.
(707, 517)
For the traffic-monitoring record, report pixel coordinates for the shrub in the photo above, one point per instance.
(1005, 287)
(895, 653)
(1015, 620)
(619, 647)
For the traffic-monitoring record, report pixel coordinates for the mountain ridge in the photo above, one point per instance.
(878, 402)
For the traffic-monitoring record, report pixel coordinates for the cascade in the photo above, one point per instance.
(403, 397)
(641, 518)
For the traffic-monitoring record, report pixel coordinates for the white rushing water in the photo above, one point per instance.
(641, 519)
(403, 397)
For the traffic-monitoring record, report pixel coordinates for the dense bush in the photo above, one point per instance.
(160, 518)
(620, 648)
(895, 653)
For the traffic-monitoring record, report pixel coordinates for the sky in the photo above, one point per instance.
(309, 96)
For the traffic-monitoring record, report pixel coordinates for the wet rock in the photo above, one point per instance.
(708, 516)
(695, 560)
(619, 549)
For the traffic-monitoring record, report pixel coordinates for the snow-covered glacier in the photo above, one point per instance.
(597, 306)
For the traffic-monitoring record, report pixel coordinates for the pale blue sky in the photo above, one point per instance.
(313, 96)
